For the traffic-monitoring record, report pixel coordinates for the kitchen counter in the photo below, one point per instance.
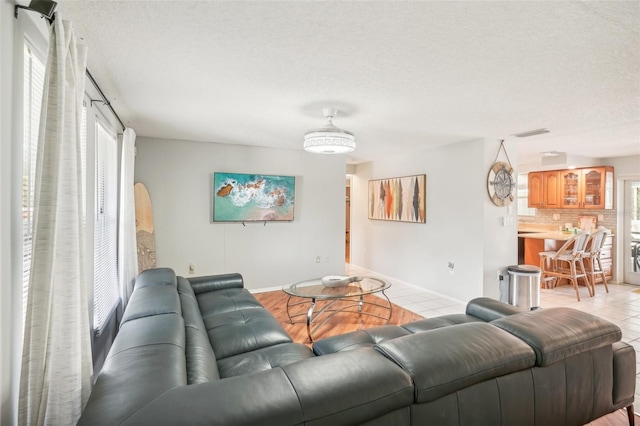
(537, 227)
(550, 235)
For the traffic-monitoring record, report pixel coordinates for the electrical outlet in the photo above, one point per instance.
(317, 259)
(192, 268)
(601, 217)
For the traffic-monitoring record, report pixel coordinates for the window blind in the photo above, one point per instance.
(33, 70)
(105, 285)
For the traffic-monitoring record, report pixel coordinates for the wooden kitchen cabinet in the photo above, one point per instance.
(589, 188)
(544, 189)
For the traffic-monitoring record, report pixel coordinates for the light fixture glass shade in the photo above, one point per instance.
(329, 139)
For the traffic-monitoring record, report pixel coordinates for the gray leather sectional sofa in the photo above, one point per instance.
(204, 351)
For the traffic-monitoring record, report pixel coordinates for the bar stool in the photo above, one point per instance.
(591, 257)
(566, 263)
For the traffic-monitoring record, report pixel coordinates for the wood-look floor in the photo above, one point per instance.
(344, 322)
(339, 323)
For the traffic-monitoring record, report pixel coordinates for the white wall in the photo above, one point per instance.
(462, 223)
(500, 242)
(179, 174)
(624, 166)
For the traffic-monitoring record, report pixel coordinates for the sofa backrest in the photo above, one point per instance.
(148, 356)
(559, 333)
(444, 360)
(155, 293)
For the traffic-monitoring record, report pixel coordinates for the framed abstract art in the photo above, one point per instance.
(401, 199)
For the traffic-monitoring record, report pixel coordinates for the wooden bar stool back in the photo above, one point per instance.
(591, 257)
(566, 263)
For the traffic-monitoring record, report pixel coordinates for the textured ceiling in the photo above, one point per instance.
(406, 75)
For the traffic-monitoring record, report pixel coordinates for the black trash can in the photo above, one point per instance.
(524, 286)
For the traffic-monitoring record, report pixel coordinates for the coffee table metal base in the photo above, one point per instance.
(328, 310)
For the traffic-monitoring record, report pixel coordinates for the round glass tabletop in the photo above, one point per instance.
(314, 288)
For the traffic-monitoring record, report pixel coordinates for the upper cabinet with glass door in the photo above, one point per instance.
(589, 188)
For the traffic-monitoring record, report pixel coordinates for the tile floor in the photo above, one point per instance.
(621, 306)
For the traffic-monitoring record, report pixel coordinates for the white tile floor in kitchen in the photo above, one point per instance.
(621, 305)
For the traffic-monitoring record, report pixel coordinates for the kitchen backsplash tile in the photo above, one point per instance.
(546, 217)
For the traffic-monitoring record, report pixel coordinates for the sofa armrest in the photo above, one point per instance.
(488, 309)
(624, 374)
(216, 282)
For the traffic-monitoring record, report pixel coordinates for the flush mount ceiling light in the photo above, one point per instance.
(329, 139)
(531, 133)
(552, 153)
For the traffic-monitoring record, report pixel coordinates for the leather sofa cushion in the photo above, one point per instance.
(216, 282)
(371, 336)
(184, 287)
(558, 333)
(263, 359)
(488, 309)
(262, 398)
(152, 300)
(226, 300)
(155, 277)
(236, 332)
(448, 359)
(348, 387)
(165, 329)
(146, 360)
(438, 322)
(202, 365)
(357, 339)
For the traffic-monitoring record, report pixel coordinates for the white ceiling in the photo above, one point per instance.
(406, 75)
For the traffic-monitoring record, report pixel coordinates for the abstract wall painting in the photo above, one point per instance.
(246, 197)
(401, 199)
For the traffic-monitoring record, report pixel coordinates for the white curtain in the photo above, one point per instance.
(57, 370)
(127, 248)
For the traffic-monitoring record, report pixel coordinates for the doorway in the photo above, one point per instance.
(631, 231)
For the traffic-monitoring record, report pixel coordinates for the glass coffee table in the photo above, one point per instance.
(353, 293)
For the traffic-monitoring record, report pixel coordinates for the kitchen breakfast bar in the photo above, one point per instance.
(533, 241)
(536, 242)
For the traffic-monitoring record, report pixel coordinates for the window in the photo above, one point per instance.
(523, 196)
(105, 286)
(33, 70)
